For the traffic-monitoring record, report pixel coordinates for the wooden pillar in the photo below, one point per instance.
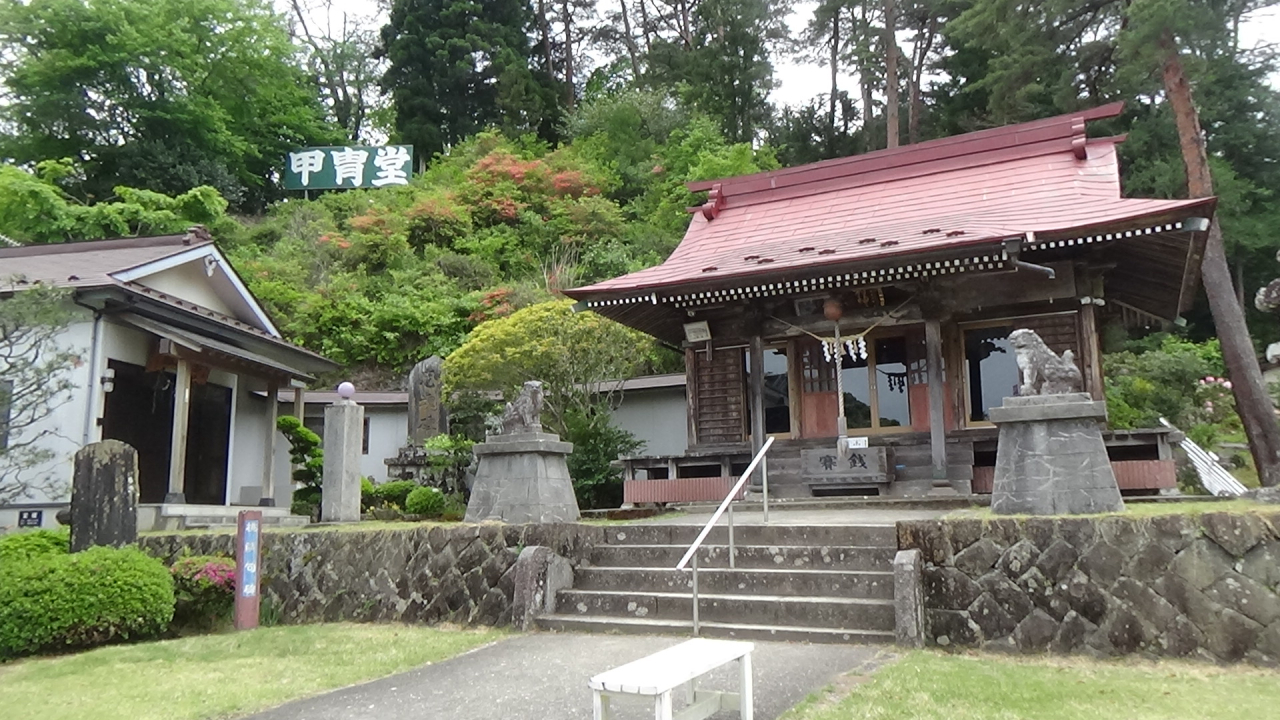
(268, 498)
(691, 393)
(1091, 353)
(937, 396)
(299, 402)
(178, 446)
(756, 396)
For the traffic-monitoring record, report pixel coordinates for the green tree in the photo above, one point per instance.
(163, 95)
(34, 382)
(578, 357)
(722, 66)
(34, 209)
(1063, 54)
(459, 66)
(344, 62)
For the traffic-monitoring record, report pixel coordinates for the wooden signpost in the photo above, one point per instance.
(248, 559)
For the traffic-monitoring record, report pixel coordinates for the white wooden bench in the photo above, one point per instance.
(662, 673)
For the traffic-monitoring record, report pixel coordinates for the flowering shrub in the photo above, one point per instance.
(1170, 377)
(204, 591)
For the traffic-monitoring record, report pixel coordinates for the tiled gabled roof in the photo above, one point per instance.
(91, 263)
(1036, 179)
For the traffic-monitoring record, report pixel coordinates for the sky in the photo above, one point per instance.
(798, 81)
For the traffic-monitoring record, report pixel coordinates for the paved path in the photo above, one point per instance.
(543, 676)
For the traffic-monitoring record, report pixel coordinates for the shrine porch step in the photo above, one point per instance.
(768, 535)
(747, 557)
(791, 583)
(855, 614)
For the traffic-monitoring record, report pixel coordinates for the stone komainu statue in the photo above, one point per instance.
(1043, 372)
(524, 414)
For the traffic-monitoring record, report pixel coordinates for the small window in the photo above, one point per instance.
(991, 370)
(777, 390)
(364, 437)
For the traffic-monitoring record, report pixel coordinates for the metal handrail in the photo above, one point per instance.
(726, 504)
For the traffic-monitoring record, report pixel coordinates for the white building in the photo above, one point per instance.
(651, 408)
(386, 426)
(175, 354)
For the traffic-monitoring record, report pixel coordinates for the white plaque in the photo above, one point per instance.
(853, 443)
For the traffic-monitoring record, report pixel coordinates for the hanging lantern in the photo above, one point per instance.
(832, 309)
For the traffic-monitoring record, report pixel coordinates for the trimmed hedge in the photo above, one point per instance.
(424, 501)
(101, 595)
(394, 493)
(28, 544)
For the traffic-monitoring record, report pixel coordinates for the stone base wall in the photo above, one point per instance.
(463, 574)
(1203, 586)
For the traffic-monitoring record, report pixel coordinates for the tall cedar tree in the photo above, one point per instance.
(721, 61)
(459, 66)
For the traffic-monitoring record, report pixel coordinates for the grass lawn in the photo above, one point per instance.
(220, 676)
(930, 685)
(1148, 509)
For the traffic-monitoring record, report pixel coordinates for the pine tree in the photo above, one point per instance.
(459, 66)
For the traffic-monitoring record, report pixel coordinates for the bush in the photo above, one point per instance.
(306, 502)
(394, 493)
(455, 507)
(1166, 376)
(424, 501)
(101, 595)
(368, 499)
(204, 590)
(304, 451)
(25, 545)
(449, 457)
(597, 442)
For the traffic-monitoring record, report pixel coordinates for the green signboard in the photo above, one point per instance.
(326, 168)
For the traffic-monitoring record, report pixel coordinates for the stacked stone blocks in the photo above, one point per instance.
(1204, 586)
(462, 574)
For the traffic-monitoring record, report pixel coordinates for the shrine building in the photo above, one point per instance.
(921, 260)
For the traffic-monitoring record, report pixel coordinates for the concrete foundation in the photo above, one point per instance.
(1050, 457)
(522, 478)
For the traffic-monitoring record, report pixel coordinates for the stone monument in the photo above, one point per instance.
(1050, 457)
(427, 418)
(522, 474)
(343, 433)
(104, 495)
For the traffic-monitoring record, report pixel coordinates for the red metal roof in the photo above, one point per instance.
(1041, 178)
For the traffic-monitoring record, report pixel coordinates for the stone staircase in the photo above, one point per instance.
(795, 583)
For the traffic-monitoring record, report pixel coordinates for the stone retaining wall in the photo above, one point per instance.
(463, 573)
(1204, 586)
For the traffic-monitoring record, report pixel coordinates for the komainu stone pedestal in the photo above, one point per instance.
(1051, 459)
(522, 478)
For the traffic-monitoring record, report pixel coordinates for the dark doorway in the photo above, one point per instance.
(139, 411)
(208, 433)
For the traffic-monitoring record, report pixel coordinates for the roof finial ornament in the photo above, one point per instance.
(1079, 139)
(714, 204)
